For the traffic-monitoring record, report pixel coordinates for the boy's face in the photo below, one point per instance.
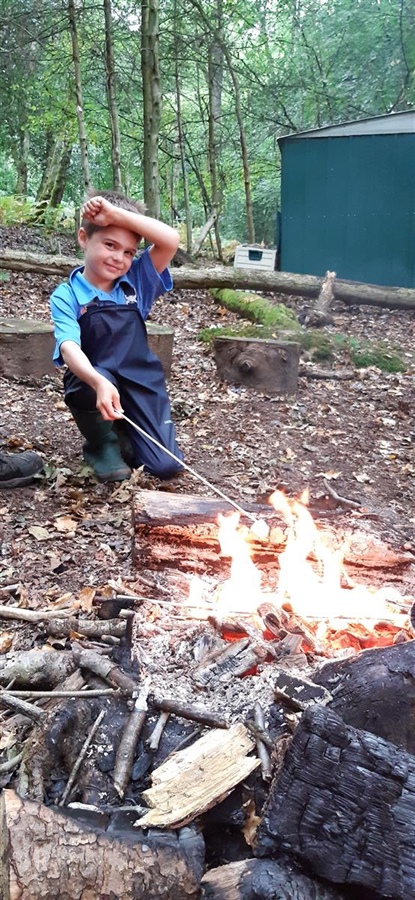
(108, 254)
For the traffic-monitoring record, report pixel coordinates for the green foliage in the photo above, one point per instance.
(380, 356)
(14, 210)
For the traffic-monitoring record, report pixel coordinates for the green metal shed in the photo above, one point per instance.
(348, 200)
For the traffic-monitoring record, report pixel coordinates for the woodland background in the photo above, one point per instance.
(182, 101)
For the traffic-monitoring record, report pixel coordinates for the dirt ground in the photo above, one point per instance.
(65, 532)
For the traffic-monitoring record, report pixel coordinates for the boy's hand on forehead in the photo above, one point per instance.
(99, 211)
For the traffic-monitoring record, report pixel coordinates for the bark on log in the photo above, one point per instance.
(26, 347)
(47, 854)
(252, 879)
(269, 366)
(344, 805)
(350, 292)
(375, 691)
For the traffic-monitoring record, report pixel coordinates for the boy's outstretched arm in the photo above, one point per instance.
(108, 397)
(164, 240)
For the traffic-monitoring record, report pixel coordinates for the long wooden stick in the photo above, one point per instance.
(126, 750)
(81, 757)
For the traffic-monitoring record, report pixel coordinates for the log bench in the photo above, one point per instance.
(26, 347)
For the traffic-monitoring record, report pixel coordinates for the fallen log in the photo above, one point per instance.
(187, 278)
(375, 691)
(344, 806)
(48, 854)
(254, 878)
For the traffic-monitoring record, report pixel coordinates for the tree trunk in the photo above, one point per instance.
(344, 805)
(181, 139)
(22, 162)
(48, 854)
(352, 293)
(83, 143)
(112, 101)
(150, 69)
(59, 185)
(244, 149)
(215, 86)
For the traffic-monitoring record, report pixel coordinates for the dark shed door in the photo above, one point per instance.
(348, 204)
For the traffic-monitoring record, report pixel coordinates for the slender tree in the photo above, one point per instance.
(83, 142)
(112, 100)
(150, 69)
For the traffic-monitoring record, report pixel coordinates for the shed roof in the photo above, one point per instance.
(392, 123)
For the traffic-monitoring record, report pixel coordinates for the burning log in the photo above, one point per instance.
(229, 662)
(255, 878)
(180, 532)
(344, 805)
(48, 854)
(375, 690)
(270, 366)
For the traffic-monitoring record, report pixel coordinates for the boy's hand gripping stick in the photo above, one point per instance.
(259, 527)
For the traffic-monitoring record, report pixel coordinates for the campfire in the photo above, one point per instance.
(212, 725)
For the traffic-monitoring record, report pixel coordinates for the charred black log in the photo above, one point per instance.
(344, 805)
(262, 878)
(376, 691)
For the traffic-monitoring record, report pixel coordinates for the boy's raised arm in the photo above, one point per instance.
(164, 240)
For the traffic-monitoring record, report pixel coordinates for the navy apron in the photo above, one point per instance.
(114, 338)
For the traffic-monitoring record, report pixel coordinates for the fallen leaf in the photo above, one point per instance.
(65, 524)
(362, 478)
(85, 598)
(41, 534)
(6, 640)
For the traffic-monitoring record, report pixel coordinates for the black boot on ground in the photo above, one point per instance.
(18, 469)
(101, 449)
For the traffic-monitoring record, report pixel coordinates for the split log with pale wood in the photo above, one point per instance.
(344, 806)
(189, 278)
(48, 854)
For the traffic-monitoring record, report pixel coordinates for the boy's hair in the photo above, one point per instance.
(117, 199)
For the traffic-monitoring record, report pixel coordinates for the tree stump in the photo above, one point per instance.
(344, 805)
(160, 340)
(270, 366)
(26, 348)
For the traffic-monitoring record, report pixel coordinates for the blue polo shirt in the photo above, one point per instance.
(142, 285)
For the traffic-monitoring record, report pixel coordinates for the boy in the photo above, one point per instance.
(101, 336)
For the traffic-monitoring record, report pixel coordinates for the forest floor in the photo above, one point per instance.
(65, 532)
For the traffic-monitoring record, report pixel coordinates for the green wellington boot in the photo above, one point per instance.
(101, 449)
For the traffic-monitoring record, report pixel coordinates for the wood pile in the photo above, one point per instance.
(192, 756)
